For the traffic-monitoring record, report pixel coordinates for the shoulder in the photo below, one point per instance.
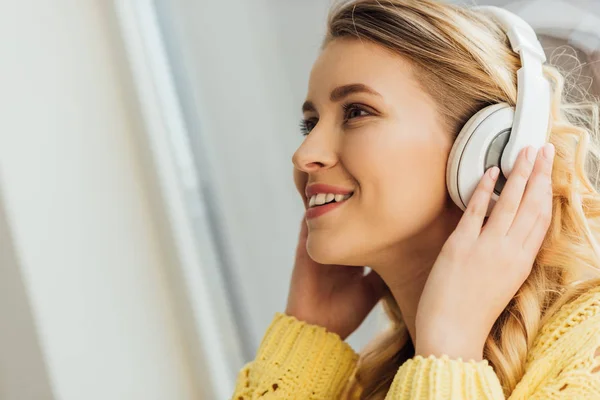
(561, 363)
(575, 322)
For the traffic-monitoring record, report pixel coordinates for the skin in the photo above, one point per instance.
(389, 146)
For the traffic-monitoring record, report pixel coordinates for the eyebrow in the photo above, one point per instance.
(340, 92)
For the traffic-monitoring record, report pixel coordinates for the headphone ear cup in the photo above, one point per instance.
(478, 146)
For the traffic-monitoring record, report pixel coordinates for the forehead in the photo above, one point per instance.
(347, 60)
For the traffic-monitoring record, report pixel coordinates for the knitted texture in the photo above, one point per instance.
(297, 360)
(443, 378)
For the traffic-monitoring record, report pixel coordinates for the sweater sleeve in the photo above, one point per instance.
(442, 378)
(566, 363)
(563, 364)
(296, 360)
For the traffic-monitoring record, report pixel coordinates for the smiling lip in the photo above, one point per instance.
(311, 190)
(317, 211)
(323, 188)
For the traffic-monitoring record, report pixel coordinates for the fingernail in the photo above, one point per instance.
(495, 171)
(549, 151)
(530, 153)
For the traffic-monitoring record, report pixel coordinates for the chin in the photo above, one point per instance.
(324, 250)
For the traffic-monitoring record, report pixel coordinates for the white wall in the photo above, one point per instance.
(23, 373)
(87, 266)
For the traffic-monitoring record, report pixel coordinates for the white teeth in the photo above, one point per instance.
(322, 198)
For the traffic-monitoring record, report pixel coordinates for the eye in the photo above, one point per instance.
(354, 111)
(351, 111)
(307, 125)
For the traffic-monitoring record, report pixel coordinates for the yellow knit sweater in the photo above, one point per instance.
(297, 360)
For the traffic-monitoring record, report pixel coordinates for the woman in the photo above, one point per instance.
(480, 308)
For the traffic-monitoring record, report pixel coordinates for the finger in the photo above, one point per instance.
(533, 242)
(537, 193)
(536, 236)
(503, 213)
(472, 220)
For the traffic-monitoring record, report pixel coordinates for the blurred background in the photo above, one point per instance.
(148, 217)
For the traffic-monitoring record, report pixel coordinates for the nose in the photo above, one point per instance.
(317, 152)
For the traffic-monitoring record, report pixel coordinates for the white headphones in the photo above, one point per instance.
(496, 134)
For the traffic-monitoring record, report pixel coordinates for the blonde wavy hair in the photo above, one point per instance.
(463, 59)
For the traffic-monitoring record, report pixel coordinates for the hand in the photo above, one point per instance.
(336, 297)
(480, 269)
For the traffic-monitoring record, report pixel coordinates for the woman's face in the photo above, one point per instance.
(374, 132)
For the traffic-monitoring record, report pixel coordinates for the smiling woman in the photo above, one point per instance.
(483, 286)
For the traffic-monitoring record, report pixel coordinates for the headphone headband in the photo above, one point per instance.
(532, 112)
(496, 134)
(520, 34)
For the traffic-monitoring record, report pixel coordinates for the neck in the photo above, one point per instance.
(406, 267)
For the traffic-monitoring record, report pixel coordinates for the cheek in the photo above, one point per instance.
(402, 182)
(412, 199)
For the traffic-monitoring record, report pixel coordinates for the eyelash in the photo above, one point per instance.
(304, 129)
